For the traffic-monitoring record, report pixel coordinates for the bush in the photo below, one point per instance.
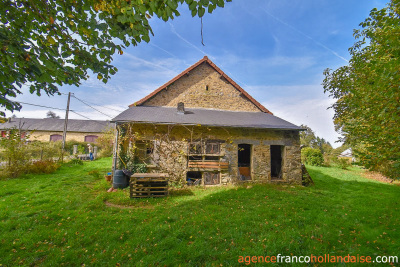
(43, 166)
(44, 151)
(312, 156)
(105, 142)
(342, 163)
(139, 168)
(15, 153)
(75, 162)
(328, 159)
(389, 169)
(82, 147)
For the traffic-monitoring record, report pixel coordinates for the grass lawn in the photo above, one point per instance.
(68, 218)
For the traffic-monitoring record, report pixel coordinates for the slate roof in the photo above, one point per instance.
(207, 61)
(56, 125)
(207, 117)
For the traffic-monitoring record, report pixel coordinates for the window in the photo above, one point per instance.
(211, 178)
(55, 137)
(90, 138)
(144, 151)
(212, 148)
(3, 133)
(209, 148)
(195, 148)
(193, 178)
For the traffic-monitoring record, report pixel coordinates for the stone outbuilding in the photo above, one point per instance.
(202, 128)
(51, 129)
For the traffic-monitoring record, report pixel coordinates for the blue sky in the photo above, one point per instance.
(275, 49)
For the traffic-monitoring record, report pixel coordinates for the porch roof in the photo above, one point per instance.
(206, 117)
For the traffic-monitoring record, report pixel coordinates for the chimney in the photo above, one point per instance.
(181, 108)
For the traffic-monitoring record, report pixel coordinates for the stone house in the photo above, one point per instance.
(201, 127)
(51, 129)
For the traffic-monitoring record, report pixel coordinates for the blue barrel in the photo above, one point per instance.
(120, 180)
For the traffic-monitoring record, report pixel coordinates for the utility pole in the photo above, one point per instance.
(66, 123)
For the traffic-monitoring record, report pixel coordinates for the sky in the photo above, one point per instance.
(276, 50)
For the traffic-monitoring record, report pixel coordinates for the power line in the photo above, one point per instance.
(73, 111)
(88, 118)
(102, 106)
(92, 107)
(63, 109)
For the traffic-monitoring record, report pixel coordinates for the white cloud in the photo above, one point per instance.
(311, 112)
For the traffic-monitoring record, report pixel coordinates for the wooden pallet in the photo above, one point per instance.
(144, 185)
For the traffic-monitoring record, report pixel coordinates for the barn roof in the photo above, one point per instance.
(56, 125)
(206, 117)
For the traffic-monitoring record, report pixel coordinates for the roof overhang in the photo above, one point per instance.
(203, 117)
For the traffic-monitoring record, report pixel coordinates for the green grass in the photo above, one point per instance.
(66, 219)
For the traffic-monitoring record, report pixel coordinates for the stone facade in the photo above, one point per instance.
(203, 87)
(51, 129)
(178, 161)
(44, 136)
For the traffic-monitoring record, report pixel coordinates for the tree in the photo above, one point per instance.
(105, 141)
(312, 156)
(51, 114)
(323, 145)
(46, 44)
(307, 137)
(367, 110)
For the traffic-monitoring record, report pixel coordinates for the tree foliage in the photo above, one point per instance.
(45, 44)
(51, 114)
(309, 139)
(367, 110)
(312, 156)
(14, 152)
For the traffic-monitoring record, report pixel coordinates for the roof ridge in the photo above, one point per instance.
(216, 68)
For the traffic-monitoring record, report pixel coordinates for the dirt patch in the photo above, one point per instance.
(112, 205)
(377, 177)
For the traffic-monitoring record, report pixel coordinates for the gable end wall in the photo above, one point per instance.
(191, 90)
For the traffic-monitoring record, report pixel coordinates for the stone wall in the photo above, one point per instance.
(261, 163)
(260, 141)
(71, 136)
(203, 87)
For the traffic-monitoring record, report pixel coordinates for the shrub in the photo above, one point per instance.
(328, 159)
(45, 150)
(15, 153)
(69, 147)
(312, 156)
(389, 169)
(105, 142)
(139, 168)
(75, 162)
(342, 163)
(43, 166)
